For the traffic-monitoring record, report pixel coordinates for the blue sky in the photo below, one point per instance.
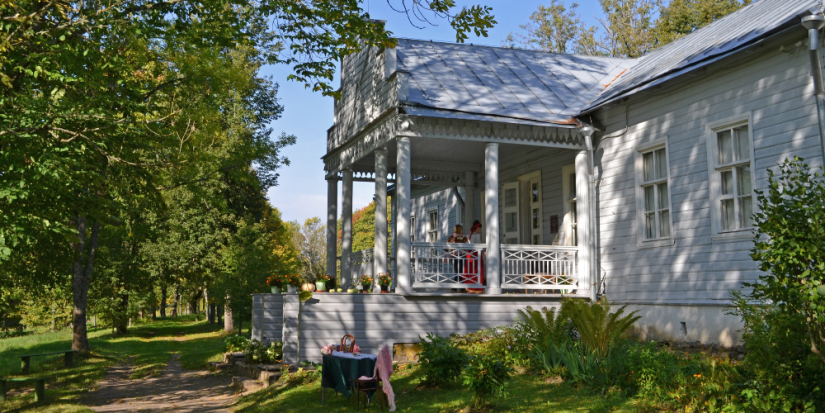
(302, 191)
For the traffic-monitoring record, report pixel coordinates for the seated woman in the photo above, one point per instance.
(474, 268)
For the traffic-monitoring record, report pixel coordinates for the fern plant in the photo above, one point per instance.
(598, 328)
(539, 327)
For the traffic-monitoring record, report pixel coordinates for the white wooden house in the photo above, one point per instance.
(630, 178)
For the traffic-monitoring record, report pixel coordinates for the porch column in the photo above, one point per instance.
(402, 192)
(469, 200)
(346, 230)
(491, 209)
(583, 200)
(332, 226)
(394, 239)
(380, 251)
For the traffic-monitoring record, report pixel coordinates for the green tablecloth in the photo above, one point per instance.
(339, 373)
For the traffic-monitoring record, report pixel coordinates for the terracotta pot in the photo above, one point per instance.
(308, 287)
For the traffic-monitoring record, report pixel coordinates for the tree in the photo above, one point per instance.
(681, 17)
(789, 244)
(310, 241)
(555, 29)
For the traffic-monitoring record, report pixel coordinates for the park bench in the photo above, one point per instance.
(39, 387)
(68, 358)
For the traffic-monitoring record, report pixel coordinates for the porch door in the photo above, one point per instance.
(510, 212)
(532, 200)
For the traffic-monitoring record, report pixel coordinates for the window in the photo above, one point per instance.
(730, 153)
(412, 228)
(432, 226)
(655, 226)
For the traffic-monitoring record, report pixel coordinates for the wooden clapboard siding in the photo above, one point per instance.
(776, 89)
(267, 316)
(378, 319)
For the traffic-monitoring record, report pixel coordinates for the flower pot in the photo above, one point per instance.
(292, 289)
(320, 286)
(385, 288)
(276, 289)
(308, 287)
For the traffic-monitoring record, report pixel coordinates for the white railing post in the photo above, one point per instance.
(380, 253)
(332, 226)
(493, 266)
(402, 191)
(346, 230)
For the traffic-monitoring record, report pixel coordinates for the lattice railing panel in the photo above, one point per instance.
(539, 267)
(444, 265)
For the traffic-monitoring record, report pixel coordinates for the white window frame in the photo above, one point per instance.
(432, 229)
(640, 184)
(718, 234)
(568, 232)
(412, 228)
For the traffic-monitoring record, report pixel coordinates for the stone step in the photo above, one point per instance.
(245, 385)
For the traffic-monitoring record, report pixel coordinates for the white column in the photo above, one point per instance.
(332, 226)
(469, 200)
(583, 223)
(402, 192)
(394, 235)
(493, 264)
(346, 230)
(380, 251)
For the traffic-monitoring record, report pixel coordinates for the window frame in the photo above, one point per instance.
(432, 228)
(714, 178)
(641, 183)
(412, 228)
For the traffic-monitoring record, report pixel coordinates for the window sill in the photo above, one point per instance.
(733, 236)
(667, 242)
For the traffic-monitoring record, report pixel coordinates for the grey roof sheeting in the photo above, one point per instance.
(708, 44)
(499, 82)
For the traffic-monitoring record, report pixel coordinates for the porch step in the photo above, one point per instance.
(219, 366)
(245, 385)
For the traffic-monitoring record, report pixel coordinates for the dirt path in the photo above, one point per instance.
(174, 390)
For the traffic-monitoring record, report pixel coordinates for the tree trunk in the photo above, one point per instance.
(228, 322)
(240, 326)
(163, 302)
(175, 296)
(81, 277)
(123, 320)
(194, 301)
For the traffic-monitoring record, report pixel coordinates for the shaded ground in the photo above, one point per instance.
(174, 389)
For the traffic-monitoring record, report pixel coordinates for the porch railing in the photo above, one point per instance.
(444, 265)
(546, 267)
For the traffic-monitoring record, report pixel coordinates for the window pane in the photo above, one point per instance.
(649, 167)
(661, 164)
(728, 215)
(650, 225)
(663, 198)
(510, 197)
(650, 201)
(664, 224)
(535, 218)
(743, 180)
(745, 212)
(741, 143)
(572, 186)
(535, 191)
(725, 147)
(511, 221)
(433, 220)
(727, 182)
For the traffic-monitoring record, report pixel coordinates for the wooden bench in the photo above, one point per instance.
(68, 359)
(39, 387)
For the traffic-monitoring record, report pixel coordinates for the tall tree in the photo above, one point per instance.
(310, 241)
(681, 17)
(555, 28)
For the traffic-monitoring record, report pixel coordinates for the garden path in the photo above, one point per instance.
(175, 389)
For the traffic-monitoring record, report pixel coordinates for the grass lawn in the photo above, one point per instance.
(527, 393)
(147, 353)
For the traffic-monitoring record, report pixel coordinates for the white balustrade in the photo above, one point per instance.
(546, 267)
(447, 265)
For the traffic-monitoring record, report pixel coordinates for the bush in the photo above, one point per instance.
(235, 343)
(486, 377)
(497, 341)
(534, 327)
(441, 361)
(597, 327)
(259, 353)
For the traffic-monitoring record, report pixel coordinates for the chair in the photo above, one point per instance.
(382, 372)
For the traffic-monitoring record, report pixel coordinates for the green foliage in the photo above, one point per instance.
(235, 343)
(542, 326)
(789, 244)
(441, 361)
(311, 244)
(497, 341)
(486, 377)
(682, 17)
(257, 352)
(598, 328)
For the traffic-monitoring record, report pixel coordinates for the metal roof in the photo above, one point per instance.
(708, 44)
(500, 82)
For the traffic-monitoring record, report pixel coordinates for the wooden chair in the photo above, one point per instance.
(363, 386)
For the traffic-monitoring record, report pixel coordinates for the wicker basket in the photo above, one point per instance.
(347, 348)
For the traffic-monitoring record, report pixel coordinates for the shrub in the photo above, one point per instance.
(275, 351)
(538, 327)
(440, 360)
(597, 327)
(259, 353)
(496, 340)
(235, 343)
(486, 376)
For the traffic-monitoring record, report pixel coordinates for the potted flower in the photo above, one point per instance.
(292, 282)
(366, 282)
(321, 282)
(384, 280)
(275, 282)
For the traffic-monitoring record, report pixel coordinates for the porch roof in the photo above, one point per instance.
(465, 81)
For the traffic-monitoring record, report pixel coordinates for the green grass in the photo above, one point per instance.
(527, 393)
(147, 353)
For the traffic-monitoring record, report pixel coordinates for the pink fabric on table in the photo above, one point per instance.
(383, 371)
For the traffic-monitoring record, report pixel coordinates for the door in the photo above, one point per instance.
(510, 212)
(533, 200)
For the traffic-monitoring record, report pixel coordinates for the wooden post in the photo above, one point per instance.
(332, 227)
(346, 230)
(40, 390)
(491, 209)
(380, 250)
(402, 192)
(25, 363)
(469, 200)
(583, 234)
